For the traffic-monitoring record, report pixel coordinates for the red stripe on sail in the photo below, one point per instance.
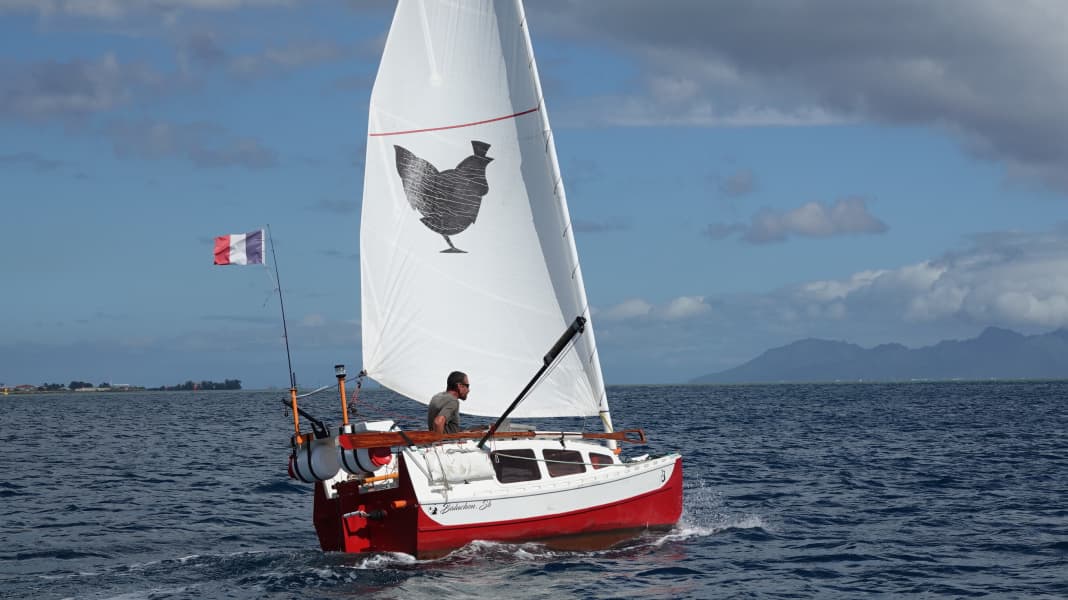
(222, 250)
(444, 127)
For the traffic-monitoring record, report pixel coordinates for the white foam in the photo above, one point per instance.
(750, 522)
(481, 549)
(378, 561)
(703, 515)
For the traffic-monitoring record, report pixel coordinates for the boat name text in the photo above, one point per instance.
(447, 508)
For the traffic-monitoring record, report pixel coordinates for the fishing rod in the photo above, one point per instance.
(282, 306)
(285, 336)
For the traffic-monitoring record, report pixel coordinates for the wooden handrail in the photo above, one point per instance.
(380, 439)
(622, 435)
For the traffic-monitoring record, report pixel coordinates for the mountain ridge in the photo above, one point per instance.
(996, 353)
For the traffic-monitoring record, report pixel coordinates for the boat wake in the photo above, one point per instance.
(484, 551)
(384, 561)
(703, 515)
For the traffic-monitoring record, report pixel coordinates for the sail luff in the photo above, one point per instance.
(592, 362)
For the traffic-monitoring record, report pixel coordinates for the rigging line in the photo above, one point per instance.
(315, 391)
(326, 387)
(458, 126)
(274, 284)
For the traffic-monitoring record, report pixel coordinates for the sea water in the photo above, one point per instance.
(791, 491)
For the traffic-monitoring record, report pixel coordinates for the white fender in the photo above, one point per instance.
(317, 461)
(367, 461)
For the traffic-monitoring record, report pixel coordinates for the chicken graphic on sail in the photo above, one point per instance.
(448, 200)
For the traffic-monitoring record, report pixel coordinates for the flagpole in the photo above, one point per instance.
(281, 304)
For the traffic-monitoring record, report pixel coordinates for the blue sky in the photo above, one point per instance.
(741, 175)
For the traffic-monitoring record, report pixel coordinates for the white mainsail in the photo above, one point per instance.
(466, 250)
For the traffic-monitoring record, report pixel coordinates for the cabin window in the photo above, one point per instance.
(600, 460)
(513, 466)
(563, 462)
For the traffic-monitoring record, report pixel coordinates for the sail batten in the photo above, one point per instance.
(468, 261)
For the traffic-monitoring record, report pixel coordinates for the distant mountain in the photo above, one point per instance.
(996, 354)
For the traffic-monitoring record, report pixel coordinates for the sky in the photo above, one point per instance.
(741, 174)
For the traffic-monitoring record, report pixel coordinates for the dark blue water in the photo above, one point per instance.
(830, 491)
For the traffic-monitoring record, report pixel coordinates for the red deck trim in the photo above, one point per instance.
(444, 127)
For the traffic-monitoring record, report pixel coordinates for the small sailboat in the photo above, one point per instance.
(468, 263)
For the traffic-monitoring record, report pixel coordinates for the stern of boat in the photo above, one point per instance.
(367, 516)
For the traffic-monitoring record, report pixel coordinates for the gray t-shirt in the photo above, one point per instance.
(444, 405)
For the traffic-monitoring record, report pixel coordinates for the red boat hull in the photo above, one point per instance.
(402, 526)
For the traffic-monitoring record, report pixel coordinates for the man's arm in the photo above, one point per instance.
(439, 424)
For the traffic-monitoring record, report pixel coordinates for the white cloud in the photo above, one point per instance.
(996, 89)
(1013, 280)
(936, 303)
(628, 309)
(824, 291)
(116, 9)
(79, 87)
(684, 307)
(677, 309)
(1008, 279)
(1030, 290)
(813, 219)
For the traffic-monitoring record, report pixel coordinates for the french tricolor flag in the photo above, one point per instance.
(239, 249)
